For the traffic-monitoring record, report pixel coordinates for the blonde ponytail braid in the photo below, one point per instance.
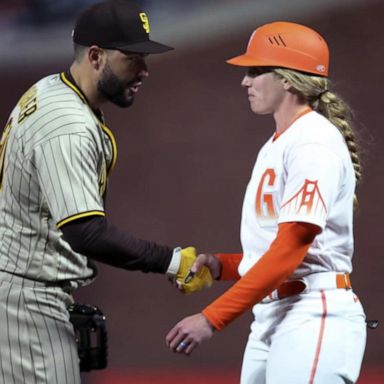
(339, 114)
(314, 90)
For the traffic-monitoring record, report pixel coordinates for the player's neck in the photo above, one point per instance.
(288, 112)
(86, 85)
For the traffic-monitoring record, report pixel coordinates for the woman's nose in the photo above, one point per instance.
(246, 82)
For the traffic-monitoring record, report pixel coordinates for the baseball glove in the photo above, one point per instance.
(91, 336)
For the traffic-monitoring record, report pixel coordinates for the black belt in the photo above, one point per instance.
(16, 278)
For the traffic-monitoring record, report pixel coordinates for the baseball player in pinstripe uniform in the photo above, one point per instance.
(55, 156)
(296, 226)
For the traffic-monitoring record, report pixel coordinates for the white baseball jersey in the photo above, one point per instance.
(55, 155)
(305, 175)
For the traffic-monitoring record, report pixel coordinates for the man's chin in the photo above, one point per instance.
(123, 101)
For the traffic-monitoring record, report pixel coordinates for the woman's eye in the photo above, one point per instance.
(257, 71)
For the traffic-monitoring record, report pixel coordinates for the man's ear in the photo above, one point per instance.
(95, 56)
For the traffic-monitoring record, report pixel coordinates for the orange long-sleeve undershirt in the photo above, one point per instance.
(285, 254)
(229, 265)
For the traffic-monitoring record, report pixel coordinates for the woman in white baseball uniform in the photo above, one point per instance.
(296, 226)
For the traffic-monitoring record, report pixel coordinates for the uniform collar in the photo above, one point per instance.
(67, 78)
(304, 112)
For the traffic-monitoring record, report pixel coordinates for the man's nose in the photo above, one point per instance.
(143, 73)
(142, 67)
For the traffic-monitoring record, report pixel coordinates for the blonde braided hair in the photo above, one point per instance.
(314, 89)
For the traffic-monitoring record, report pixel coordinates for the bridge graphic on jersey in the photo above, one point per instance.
(307, 200)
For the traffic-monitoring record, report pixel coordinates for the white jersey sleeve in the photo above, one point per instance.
(313, 181)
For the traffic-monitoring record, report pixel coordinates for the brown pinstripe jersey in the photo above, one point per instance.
(55, 155)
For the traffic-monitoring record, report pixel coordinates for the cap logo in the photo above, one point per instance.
(320, 68)
(145, 21)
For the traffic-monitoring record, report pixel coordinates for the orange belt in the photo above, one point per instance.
(294, 287)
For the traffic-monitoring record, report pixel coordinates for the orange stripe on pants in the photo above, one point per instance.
(320, 339)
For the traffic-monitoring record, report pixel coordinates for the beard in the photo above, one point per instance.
(114, 89)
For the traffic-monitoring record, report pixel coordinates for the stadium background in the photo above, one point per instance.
(185, 152)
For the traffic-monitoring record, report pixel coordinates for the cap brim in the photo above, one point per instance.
(248, 61)
(148, 46)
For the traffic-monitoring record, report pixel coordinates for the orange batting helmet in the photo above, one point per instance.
(287, 45)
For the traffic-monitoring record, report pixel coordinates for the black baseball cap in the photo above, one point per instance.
(116, 24)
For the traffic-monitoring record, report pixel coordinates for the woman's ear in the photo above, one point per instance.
(286, 84)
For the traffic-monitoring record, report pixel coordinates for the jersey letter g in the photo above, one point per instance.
(265, 210)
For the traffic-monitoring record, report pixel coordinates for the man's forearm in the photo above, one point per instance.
(100, 240)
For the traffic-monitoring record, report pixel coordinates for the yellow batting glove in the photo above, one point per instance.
(189, 281)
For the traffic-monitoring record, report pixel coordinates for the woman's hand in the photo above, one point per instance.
(210, 261)
(190, 332)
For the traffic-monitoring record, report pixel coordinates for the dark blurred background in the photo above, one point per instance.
(185, 152)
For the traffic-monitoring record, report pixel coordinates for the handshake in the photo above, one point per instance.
(186, 278)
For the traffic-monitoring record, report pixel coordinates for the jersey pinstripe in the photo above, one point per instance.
(55, 156)
(37, 341)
